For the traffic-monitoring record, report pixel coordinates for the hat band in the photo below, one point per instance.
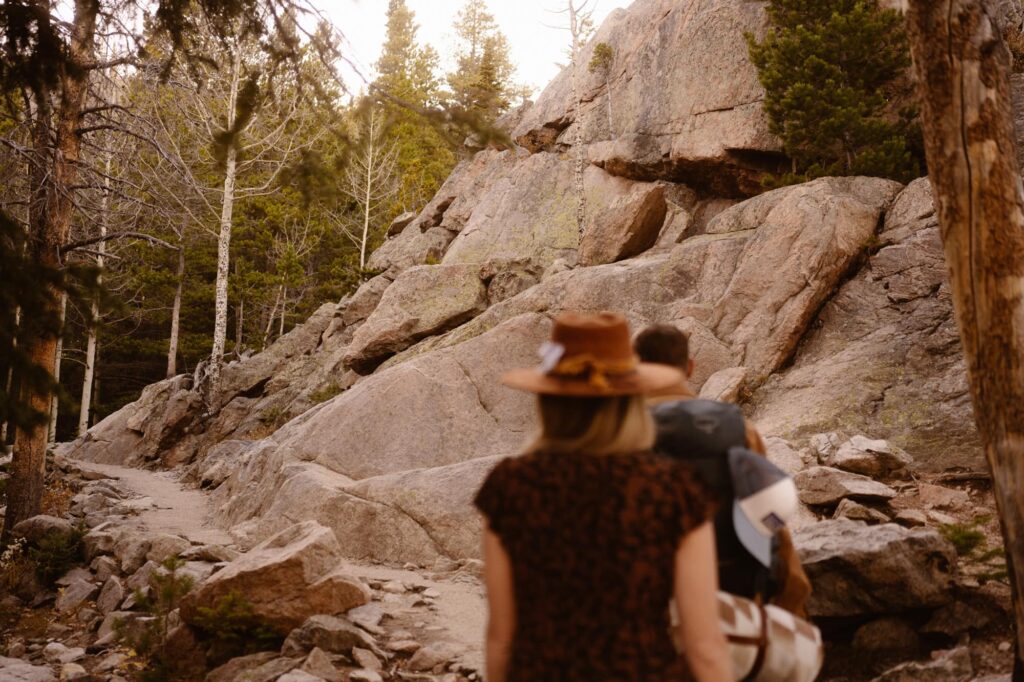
(595, 370)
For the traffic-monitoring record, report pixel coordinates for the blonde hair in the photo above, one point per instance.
(596, 426)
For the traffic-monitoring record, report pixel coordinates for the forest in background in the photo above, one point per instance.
(307, 179)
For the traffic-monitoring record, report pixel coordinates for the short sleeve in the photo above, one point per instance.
(694, 503)
(492, 499)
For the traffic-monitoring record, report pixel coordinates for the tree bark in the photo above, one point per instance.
(9, 383)
(962, 70)
(52, 183)
(172, 345)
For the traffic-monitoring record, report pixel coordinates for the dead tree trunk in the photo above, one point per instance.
(963, 75)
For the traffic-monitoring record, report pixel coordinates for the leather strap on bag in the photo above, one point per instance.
(761, 642)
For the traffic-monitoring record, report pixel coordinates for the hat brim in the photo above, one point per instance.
(646, 378)
(753, 540)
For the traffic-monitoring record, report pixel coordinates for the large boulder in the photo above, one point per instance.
(263, 496)
(435, 409)
(628, 227)
(807, 238)
(708, 132)
(37, 528)
(438, 499)
(860, 570)
(286, 579)
(884, 354)
(527, 215)
(422, 301)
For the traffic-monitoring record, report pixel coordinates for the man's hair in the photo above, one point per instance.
(664, 344)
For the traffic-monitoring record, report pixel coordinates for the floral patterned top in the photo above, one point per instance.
(592, 541)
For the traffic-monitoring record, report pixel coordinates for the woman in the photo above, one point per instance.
(588, 536)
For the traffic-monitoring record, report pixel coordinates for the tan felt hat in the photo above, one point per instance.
(591, 356)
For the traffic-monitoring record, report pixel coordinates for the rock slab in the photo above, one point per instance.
(286, 579)
(859, 570)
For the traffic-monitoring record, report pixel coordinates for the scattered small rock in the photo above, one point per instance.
(76, 573)
(429, 657)
(827, 486)
(330, 633)
(73, 671)
(911, 518)
(887, 636)
(365, 658)
(946, 666)
(876, 458)
(104, 567)
(299, 676)
(164, 546)
(940, 497)
(824, 444)
(941, 518)
(364, 676)
(848, 509)
(111, 595)
(319, 665)
(393, 587)
(72, 596)
(110, 662)
(17, 670)
(403, 646)
(955, 619)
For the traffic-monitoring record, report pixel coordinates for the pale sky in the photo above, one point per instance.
(536, 49)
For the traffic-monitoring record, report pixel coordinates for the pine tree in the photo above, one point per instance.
(829, 68)
(482, 80)
(407, 71)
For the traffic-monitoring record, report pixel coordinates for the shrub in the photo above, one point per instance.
(965, 538)
(325, 393)
(167, 588)
(231, 629)
(829, 68)
(57, 553)
(15, 565)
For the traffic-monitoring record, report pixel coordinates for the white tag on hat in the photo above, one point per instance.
(550, 354)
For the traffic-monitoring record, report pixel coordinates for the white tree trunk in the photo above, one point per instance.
(54, 402)
(220, 316)
(172, 346)
(284, 310)
(369, 188)
(271, 317)
(94, 312)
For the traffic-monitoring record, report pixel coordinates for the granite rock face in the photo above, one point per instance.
(710, 132)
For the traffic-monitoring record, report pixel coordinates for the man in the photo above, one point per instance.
(738, 570)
